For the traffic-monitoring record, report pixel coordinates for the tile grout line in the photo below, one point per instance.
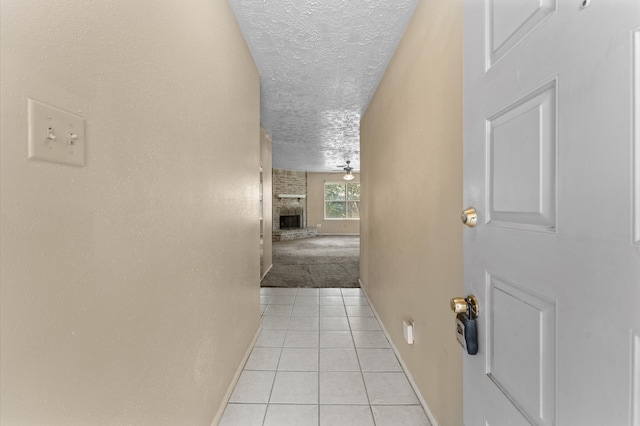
(366, 391)
(266, 411)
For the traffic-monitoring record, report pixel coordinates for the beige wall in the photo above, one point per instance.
(411, 265)
(129, 287)
(267, 201)
(315, 203)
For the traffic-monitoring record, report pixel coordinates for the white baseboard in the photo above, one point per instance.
(333, 234)
(236, 376)
(424, 404)
(266, 272)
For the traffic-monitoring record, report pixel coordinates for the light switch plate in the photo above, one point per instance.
(407, 328)
(55, 135)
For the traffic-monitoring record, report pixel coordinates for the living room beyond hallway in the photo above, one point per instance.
(322, 261)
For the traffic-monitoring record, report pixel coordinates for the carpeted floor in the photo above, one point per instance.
(324, 261)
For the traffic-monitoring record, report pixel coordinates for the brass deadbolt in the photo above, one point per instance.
(460, 305)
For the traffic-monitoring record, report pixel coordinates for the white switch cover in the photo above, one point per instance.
(55, 135)
(407, 327)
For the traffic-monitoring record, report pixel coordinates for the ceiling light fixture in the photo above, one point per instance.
(347, 170)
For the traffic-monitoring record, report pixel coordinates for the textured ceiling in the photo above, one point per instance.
(320, 61)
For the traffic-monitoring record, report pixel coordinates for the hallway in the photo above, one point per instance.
(321, 359)
(130, 285)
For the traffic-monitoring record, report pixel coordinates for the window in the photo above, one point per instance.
(342, 200)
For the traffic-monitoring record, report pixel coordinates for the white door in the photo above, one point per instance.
(552, 165)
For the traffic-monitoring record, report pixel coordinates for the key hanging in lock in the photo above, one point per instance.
(471, 308)
(471, 330)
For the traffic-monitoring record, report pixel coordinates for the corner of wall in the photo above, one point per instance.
(266, 158)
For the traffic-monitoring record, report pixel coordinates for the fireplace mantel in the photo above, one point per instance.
(292, 196)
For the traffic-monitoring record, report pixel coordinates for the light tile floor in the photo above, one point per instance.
(321, 359)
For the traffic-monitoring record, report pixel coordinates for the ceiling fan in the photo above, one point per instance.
(347, 170)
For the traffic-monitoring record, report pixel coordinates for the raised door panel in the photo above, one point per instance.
(521, 347)
(521, 180)
(510, 21)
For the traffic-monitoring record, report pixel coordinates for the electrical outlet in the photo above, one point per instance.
(55, 135)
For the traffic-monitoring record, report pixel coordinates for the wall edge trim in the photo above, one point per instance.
(266, 272)
(236, 376)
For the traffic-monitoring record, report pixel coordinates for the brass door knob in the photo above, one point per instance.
(469, 217)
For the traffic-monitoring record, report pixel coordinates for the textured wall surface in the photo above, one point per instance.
(412, 266)
(315, 202)
(319, 62)
(129, 287)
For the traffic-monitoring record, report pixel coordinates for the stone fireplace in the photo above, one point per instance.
(291, 222)
(289, 205)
